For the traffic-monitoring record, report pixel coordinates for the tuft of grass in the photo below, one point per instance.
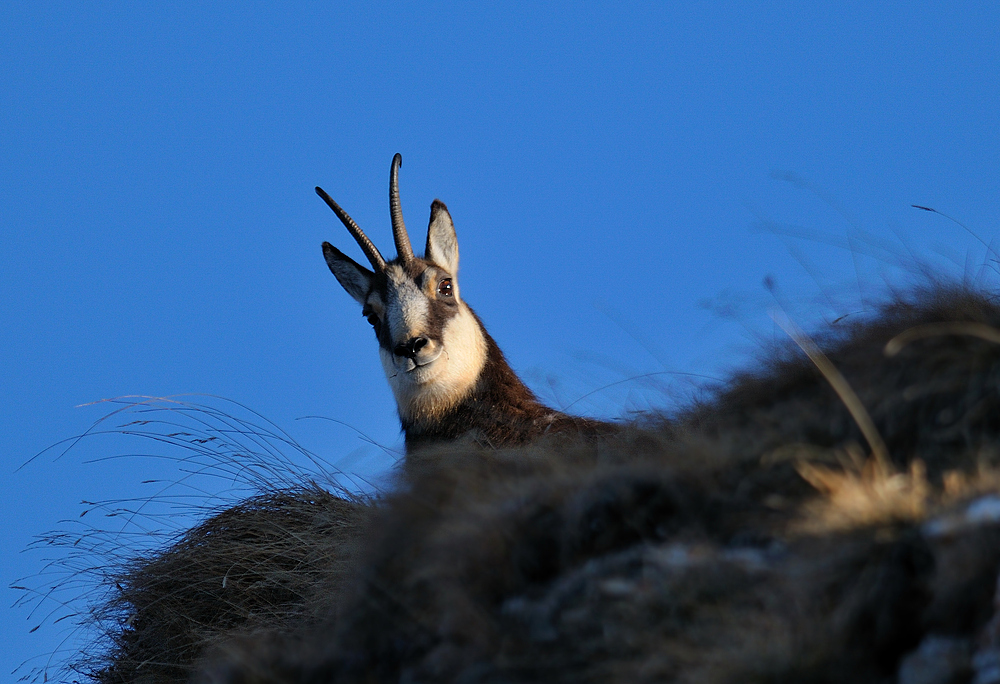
(872, 491)
(273, 561)
(863, 492)
(247, 506)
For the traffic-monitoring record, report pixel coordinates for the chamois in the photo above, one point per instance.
(448, 376)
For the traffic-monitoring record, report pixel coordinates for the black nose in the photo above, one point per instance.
(410, 348)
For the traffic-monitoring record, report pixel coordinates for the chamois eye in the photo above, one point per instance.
(372, 319)
(444, 288)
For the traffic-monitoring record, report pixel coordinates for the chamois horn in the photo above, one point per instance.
(403, 248)
(370, 250)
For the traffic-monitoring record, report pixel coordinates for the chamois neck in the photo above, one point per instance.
(498, 410)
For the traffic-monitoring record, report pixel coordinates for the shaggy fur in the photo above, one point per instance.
(748, 539)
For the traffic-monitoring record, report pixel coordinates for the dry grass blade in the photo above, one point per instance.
(919, 332)
(840, 385)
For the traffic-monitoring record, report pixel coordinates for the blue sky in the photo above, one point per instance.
(622, 177)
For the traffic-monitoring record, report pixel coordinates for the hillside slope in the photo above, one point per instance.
(755, 536)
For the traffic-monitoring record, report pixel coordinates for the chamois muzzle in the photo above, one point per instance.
(410, 348)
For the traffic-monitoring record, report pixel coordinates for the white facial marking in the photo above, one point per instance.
(428, 390)
(407, 308)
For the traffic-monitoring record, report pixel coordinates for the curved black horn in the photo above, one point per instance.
(377, 262)
(403, 248)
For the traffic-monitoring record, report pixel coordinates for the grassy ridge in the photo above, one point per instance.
(754, 536)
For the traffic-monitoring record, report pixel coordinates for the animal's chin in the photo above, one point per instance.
(420, 373)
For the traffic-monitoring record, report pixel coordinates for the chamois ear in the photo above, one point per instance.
(352, 276)
(442, 243)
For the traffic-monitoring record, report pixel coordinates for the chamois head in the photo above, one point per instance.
(431, 344)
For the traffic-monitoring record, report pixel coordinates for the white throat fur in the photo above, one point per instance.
(426, 392)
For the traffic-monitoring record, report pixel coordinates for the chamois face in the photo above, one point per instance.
(430, 343)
